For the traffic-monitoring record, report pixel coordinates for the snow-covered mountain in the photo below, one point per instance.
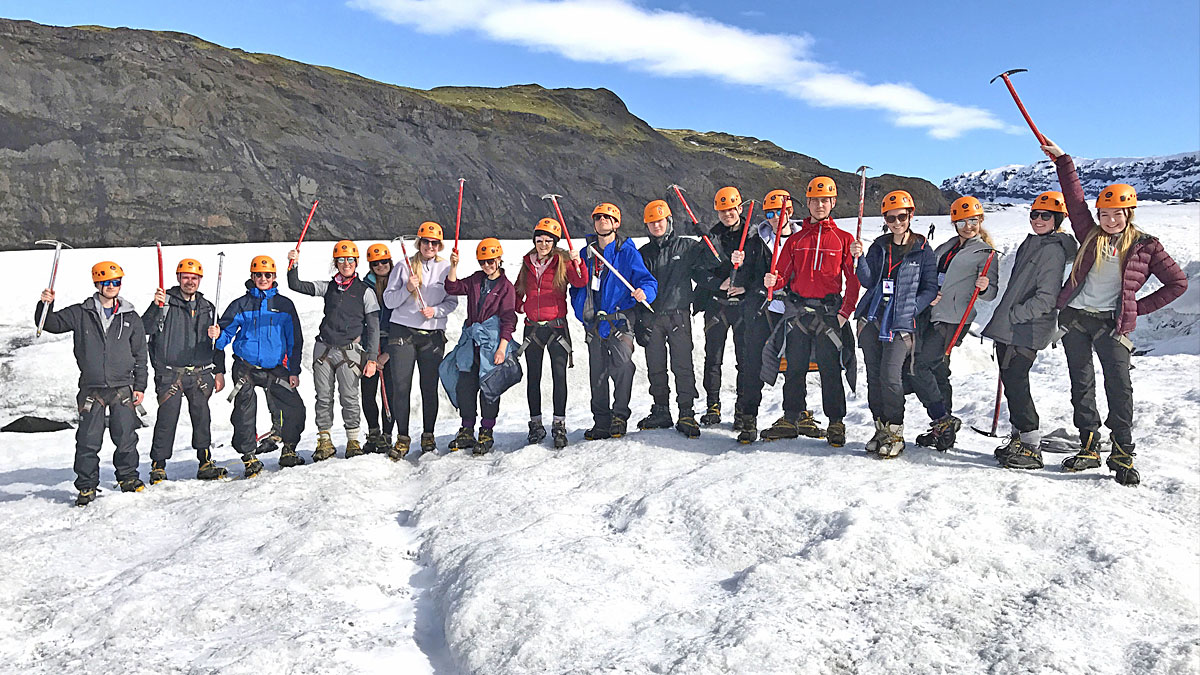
(1161, 178)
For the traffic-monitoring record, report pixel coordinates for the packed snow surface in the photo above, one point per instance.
(647, 554)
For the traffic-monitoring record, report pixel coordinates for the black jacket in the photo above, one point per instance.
(107, 358)
(709, 295)
(178, 332)
(676, 262)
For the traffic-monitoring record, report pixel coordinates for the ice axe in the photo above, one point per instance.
(408, 264)
(158, 245)
(679, 191)
(619, 276)
(292, 263)
(554, 199)
(996, 413)
(458, 213)
(862, 195)
(217, 299)
(742, 243)
(1011, 90)
(58, 247)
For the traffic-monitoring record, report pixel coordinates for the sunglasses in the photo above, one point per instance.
(263, 275)
(969, 222)
(1041, 215)
(381, 262)
(110, 283)
(344, 261)
(544, 240)
(430, 242)
(489, 261)
(896, 219)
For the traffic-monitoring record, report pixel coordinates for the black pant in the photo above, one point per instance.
(1087, 334)
(748, 349)
(1015, 363)
(885, 363)
(172, 386)
(671, 331)
(286, 406)
(555, 340)
(377, 415)
(470, 402)
(610, 358)
(805, 342)
(408, 349)
(929, 375)
(122, 426)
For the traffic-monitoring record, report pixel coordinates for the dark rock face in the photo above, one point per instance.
(124, 137)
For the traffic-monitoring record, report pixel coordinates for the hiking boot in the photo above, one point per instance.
(749, 432)
(558, 431)
(354, 448)
(85, 497)
(537, 433)
(1120, 460)
(289, 458)
(270, 443)
(400, 449)
(210, 471)
(463, 440)
(942, 433)
(325, 448)
(254, 466)
(807, 426)
(835, 435)
(659, 418)
(486, 441)
(375, 442)
(712, 416)
(687, 424)
(132, 485)
(893, 441)
(781, 429)
(158, 472)
(617, 429)
(1022, 456)
(1010, 446)
(877, 439)
(598, 432)
(739, 421)
(1087, 457)
(428, 443)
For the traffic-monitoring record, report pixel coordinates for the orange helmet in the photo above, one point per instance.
(189, 266)
(488, 249)
(1117, 196)
(821, 186)
(1050, 201)
(777, 199)
(897, 199)
(965, 207)
(727, 198)
(606, 209)
(106, 271)
(378, 252)
(345, 249)
(656, 210)
(262, 263)
(430, 230)
(550, 226)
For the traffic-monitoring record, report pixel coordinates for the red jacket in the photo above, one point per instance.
(813, 262)
(541, 302)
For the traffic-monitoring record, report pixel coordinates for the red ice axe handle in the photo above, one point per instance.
(996, 412)
(742, 243)
(775, 251)
(695, 222)
(158, 245)
(562, 222)
(971, 304)
(292, 263)
(1021, 106)
(458, 213)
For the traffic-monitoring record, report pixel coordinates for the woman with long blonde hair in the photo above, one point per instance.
(1099, 308)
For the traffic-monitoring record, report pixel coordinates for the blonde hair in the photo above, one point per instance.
(1099, 240)
(560, 272)
(416, 263)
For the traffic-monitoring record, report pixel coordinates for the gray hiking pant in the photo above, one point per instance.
(1088, 334)
(885, 364)
(172, 386)
(122, 426)
(610, 358)
(342, 365)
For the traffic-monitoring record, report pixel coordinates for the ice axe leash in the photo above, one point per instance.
(996, 412)
(292, 263)
(619, 276)
(563, 223)
(1020, 106)
(458, 213)
(58, 247)
(974, 296)
(679, 191)
(862, 195)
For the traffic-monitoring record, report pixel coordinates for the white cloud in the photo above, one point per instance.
(678, 44)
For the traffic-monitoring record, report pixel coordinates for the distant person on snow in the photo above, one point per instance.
(603, 306)
(1024, 322)
(1099, 308)
(546, 272)
(346, 347)
(812, 266)
(379, 418)
(265, 331)
(482, 345)
(110, 350)
(181, 326)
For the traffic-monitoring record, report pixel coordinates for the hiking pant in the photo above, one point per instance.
(343, 366)
(929, 375)
(673, 331)
(810, 341)
(748, 349)
(470, 401)
(286, 406)
(122, 423)
(1088, 333)
(377, 415)
(1015, 363)
(172, 386)
(610, 358)
(407, 350)
(885, 363)
(556, 341)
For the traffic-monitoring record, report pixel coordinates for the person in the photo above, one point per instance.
(180, 326)
(110, 351)
(1098, 308)
(899, 278)
(483, 344)
(264, 328)
(768, 312)
(1024, 322)
(541, 289)
(812, 266)
(676, 263)
(603, 308)
(346, 347)
(379, 418)
(416, 295)
(965, 264)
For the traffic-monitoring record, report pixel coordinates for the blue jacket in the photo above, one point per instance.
(613, 296)
(916, 286)
(484, 336)
(264, 329)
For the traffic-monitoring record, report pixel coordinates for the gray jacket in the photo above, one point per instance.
(1025, 315)
(108, 356)
(959, 284)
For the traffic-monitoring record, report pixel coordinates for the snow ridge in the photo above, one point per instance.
(1160, 178)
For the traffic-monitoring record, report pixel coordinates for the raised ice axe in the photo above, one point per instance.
(862, 195)
(1011, 90)
(58, 247)
(554, 199)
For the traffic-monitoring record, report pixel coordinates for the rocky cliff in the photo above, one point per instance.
(1158, 178)
(123, 137)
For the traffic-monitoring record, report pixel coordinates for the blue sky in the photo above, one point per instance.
(902, 87)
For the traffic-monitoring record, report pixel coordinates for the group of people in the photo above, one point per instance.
(796, 296)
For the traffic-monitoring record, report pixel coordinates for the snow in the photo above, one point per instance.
(1166, 177)
(647, 554)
